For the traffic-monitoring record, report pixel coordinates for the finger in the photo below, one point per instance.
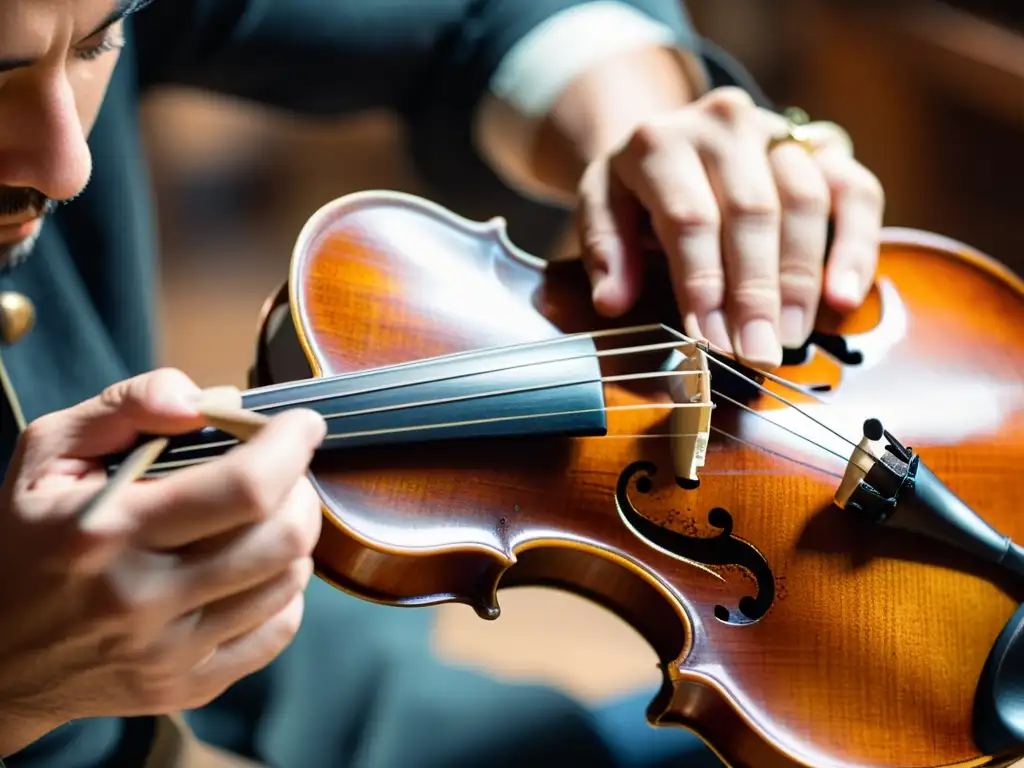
(238, 615)
(742, 179)
(608, 224)
(161, 401)
(247, 654)
(804, 196)
(858, 203)
(254, 556)
(244, 486)
(668, 178)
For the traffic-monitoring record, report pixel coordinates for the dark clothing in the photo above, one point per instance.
(359, 686)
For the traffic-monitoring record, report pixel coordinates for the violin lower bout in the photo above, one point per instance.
(790, 632)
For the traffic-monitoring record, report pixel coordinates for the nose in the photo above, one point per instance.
(42, 140)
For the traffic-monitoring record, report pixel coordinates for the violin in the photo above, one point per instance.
(824, 557)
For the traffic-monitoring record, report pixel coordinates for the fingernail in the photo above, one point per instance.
(714, 329)
(189, 401)
(846, 287)
(225, 397)
(759, 346)
(792, 325)
(317, 425)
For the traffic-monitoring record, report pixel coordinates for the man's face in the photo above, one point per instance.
(56, 59)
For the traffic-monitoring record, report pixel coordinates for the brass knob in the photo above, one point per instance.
(17, 316)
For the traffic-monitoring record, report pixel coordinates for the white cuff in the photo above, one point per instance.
(532, 76)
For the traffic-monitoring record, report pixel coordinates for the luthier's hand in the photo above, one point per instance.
(174, 590)
(743, 219)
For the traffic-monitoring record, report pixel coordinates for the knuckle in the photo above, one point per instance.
(248, 491)
(806, 199)
(728, 103)
(287, 623)
(113, 601)
(801, 270)
(682, 217)
(861, 185)
(35, 432)
(755, 209)
(646, 138)
(282, 628)
(705, 290)
(871, 189)
(294, 540)
(801, 283)
(756, 296)
(114, 395)
(300, 526)
(295, 580)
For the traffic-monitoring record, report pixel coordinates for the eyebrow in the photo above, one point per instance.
(121, 9)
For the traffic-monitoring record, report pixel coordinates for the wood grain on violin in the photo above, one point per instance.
(487, 429)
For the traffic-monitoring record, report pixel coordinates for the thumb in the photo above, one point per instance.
(608, 223)
(52, 475)
(159, 402)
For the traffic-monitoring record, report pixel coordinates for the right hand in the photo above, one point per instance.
(189, 583)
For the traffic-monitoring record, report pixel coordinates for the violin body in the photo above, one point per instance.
(791, 632)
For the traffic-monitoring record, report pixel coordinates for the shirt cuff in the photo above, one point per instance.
(534, 73)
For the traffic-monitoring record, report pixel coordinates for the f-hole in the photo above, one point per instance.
(722, 549)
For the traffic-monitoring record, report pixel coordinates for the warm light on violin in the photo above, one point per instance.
(825, 558)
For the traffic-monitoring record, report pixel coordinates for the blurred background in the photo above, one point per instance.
(932, 92)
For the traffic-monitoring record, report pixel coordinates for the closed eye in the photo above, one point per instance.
(110, 39)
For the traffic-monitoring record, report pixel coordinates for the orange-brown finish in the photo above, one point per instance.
(873, 645)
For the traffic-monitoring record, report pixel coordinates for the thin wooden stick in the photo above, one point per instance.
(221, 408)
(131, 469)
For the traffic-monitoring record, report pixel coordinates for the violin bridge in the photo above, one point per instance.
(862, 459)
(690, 424)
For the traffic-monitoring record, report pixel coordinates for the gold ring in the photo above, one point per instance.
(811, 135)
(796, 122)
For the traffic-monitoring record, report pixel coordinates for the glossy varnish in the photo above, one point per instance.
(873, 642)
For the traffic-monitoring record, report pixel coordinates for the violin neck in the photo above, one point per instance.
(536, 390)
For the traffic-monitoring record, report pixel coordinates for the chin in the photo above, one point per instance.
(13, 255)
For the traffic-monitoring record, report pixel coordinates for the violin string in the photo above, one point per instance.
(520, 390)
(457, 356)
(706, 345)
(606, 379)
(601, 353)
(765, 390)
(780, 455)
(297, 401)
(168, 465)
(502, 392)
(412, 428)
(793, 432)
(724, 433)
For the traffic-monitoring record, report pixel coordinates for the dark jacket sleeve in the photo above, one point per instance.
(429, 61)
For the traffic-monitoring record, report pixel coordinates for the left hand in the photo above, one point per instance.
(742, 219)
